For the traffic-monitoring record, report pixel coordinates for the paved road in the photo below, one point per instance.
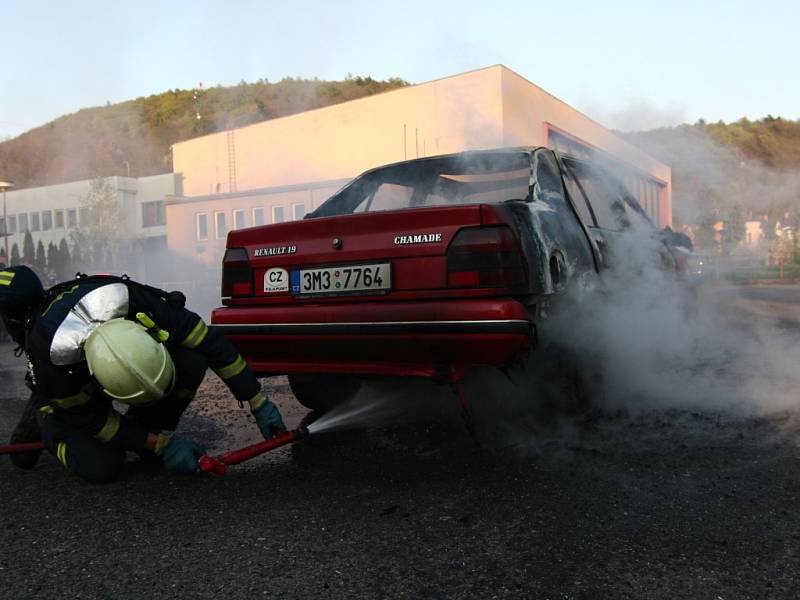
(670, 504)
(770, 301)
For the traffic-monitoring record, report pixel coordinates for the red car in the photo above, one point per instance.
(422, 268)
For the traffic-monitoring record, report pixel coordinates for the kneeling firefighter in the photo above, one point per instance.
(100, 339)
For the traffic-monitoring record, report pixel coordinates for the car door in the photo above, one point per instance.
(564, 251)
(606, 213)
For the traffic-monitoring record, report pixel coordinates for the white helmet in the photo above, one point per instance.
(132, 367)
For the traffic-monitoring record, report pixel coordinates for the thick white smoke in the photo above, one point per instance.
(653, 342)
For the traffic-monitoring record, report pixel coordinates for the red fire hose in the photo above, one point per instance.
(217, 464)
(18, 448)
(208, 464)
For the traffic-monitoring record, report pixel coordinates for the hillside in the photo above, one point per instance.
(749, 166)
(134, 137)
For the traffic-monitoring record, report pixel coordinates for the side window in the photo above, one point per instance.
(579, 200)
(548, 179)
(604, 198)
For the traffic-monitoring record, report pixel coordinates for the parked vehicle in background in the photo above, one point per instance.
(422, 268)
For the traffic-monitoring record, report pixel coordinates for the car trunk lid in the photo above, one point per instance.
(409, 245)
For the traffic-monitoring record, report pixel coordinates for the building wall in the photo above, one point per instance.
(489, 108)
(67, 198)
(184, 215)
(530, 114)
(754, 233)
(341, 141)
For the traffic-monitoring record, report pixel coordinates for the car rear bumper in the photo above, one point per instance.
(422, 339)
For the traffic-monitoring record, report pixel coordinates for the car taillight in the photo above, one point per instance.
(485, 257)
(237, 275)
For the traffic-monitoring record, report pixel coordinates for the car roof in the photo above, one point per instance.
(464, 154)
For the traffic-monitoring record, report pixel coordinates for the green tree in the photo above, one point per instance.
(52, 257)
(705, 234)
(40, 260)
(80, 255)
(28, 249)
(105, 223)
(15, 254)
(64, 260)
(735, 228)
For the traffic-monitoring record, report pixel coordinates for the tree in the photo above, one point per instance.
(52, 257)
(64, 261)
(40, 260)
(81, 257)
(735, 228)
(3, 256)
(14, 254)
(705, 235)
(28, 250)
(105, 224)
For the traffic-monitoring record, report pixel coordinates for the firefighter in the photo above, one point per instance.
(100, 339)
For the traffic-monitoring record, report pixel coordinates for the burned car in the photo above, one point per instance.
(423, 268)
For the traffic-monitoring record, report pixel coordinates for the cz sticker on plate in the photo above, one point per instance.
(342, 280)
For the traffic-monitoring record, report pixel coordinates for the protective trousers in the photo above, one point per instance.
(99, 462)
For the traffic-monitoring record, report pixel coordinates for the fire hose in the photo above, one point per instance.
(218, 464)
(20, 448)
(207, 463)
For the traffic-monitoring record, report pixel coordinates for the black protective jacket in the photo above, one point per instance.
(65, 383)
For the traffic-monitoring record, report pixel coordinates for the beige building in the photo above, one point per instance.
(278, 170)
(54, 212)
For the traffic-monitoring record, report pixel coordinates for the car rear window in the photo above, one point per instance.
(465, 179)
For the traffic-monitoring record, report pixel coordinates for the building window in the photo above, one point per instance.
(47, 220)
(23, 222)
(35, 222)
(202, 226)
(84, 216)
(59, 219)
(3, 225)
(220, 224)
(72, 217)
(299, 211)
(258, 216)
(12, 223)
(153, 214)
(238, 219)
(277, 214)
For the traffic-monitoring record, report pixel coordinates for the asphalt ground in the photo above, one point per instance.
(668, 504)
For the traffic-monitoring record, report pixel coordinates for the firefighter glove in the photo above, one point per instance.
(179, 453)
(267, 415)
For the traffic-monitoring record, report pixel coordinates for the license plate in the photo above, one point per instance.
(342, 280)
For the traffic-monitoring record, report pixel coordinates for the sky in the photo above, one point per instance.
(630, 65)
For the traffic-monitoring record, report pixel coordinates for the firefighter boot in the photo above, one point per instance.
(26, 431)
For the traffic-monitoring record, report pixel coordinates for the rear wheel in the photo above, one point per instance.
(323, 392)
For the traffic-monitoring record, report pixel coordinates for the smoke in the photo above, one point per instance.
(634, 114)
(652, 340)
(707, 175)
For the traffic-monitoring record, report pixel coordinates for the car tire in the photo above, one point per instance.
(323, 392)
